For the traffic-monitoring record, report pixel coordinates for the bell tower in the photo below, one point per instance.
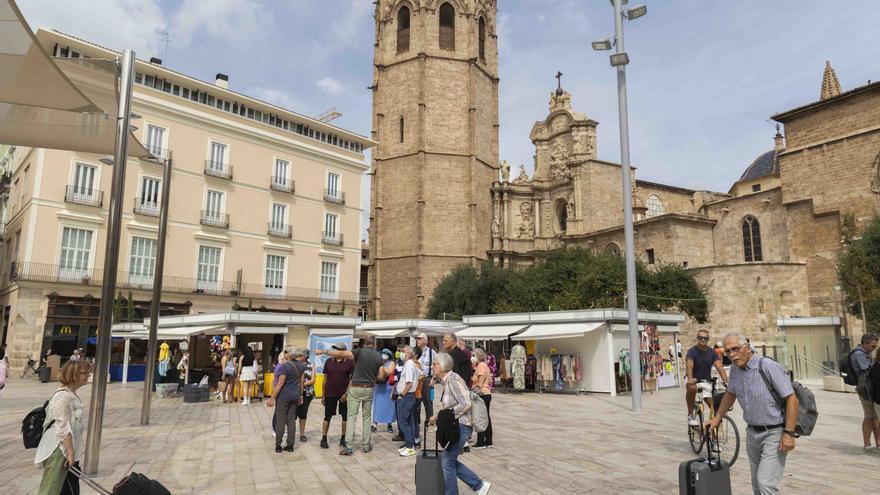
(435, 117)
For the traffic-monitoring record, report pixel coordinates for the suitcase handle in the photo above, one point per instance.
(714, 464)
(425, 438)
(88, 481)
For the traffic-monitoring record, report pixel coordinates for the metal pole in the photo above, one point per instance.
(153, 341)
(631, 301)
(111, 259)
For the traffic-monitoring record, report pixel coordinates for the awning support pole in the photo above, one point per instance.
(125, 360)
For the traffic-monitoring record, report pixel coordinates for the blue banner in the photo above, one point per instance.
(324, 342)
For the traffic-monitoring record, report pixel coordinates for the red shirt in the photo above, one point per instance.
(336, 377)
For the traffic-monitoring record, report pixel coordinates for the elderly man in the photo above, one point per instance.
(860, 361)
(337, 375)
(770, 432)
(406, 402)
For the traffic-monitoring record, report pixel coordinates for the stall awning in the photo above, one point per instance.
(558, 330)
(331, 331)
(490, 332)
(261, 330)
(623, 327)
(174, 333)
(386, 334)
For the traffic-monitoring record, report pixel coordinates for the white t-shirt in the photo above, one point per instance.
(410, 374)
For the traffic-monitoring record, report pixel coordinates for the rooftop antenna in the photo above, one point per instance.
(329, 115)
(166, 38)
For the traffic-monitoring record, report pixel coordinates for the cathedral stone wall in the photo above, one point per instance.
(815, 240)
(604, 195)
(767, 208)
(674, 200)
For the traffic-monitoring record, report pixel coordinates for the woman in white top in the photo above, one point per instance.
(63, 441)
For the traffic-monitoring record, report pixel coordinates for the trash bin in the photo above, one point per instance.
(45, 373)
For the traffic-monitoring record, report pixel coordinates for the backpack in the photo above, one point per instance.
(32, 426)
(807, 414)
(479, 413)
(850, 376)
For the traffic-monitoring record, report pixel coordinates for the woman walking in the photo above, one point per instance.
(456, 397)
(227, 363)
(302, 410)
(481, 384)
(384, 409)
(246, 374)
(63, 441)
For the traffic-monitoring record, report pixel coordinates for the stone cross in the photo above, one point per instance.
(559, 80)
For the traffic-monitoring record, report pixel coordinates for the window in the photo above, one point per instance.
(84, 182)
(149, 200)
(403, 30)
(279, 175)
(447, 27)
(274, 274)
(613, 249)
(208, 274)
(482, 39)
(756, 187)
(401, 129)
(218, 156)
(214, 204)
(142, 263)
(333, 185)
(752, 239)
(654, 205)
(76, 249)
(330, 225)
(328, 279)
(649, 253)
(279, 216)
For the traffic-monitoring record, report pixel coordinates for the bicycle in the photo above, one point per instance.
(726, 436)
(29, 366)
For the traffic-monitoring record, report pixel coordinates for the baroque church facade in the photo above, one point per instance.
(765, 249)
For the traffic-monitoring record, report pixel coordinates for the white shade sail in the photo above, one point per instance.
(174, 333)
(558, 330)
(490, 332)
(386, 334)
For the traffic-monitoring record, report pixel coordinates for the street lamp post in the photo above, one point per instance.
(619, 60)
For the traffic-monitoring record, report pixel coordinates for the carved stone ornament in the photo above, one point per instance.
(496, 227)
(558, 159)
(523, 176)
(505, 171)
(569, 207)
(583, 144)
(527, 224)
(875, 174)
(560, 102)
(558, 123)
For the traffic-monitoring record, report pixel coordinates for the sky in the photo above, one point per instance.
(703, 79)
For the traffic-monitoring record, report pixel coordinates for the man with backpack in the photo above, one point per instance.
(860, 363)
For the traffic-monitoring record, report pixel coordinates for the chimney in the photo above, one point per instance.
(154, 60)
(778, 140)
(222, 80)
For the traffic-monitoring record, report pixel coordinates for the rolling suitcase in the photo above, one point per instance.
(131, 484)
(704, 475)
(429, 473)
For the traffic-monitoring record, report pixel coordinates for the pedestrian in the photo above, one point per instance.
(384, 409)
(860, 362)
(481, 380)
(426, 357)
(246, 375)
(337, 374)
(276, 374)
(368, 368)
(456, 397)
(63, 441)
(227, 364)
(462, 361)
(285, 399)
(770, 433)
(406, 403)
(700, 360)
(302, 410)
(4, 367)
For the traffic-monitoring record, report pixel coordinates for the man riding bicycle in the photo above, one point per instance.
(700, 360)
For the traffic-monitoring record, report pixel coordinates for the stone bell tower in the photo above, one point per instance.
(435, 116)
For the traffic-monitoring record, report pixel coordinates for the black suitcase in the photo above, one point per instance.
(132, 484)
(429, 472)
(704, 475)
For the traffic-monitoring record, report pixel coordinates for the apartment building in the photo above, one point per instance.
(265, 212)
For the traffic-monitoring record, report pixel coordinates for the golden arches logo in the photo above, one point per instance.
(65, 330)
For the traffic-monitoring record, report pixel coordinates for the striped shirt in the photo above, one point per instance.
(759, 408)
(456, 396)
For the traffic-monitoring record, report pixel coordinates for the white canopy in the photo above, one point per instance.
(490, 332)
(239, 330)
(173, 333)
(558, 330)
(386, 334)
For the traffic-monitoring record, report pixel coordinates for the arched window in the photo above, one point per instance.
(612, 248)
(482, 36)
(752, 239)
(403, 30)
(654, 205)
(562, 214)
(447, 27)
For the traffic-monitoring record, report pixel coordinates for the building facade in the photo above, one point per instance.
(265, 212)
(435, 117)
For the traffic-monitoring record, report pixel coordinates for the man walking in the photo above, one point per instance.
(288, 394)
(337, 375)
(406, 402)
(700, 360)
(425, 360)
(860, 361)
(461, 362)
(770, 431)
(367, 370)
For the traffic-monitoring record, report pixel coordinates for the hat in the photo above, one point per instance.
(420, 335)
(339, 346)
(387, 351)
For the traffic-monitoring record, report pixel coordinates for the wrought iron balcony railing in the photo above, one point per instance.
(218, 169)
(148, 208)
(332, 238)
(282, 184)
(215, 219)
(83, 196)
(334, 196)
(279, 230)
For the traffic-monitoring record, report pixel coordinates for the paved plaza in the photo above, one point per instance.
(544, 444)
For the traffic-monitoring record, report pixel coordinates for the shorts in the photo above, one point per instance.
(330, 406)
(247, 374)
(704, 390)
(302, 410)
(869, 408)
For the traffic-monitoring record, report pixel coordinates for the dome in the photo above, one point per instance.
(765, 164)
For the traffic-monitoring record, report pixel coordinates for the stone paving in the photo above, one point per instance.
(545, 444)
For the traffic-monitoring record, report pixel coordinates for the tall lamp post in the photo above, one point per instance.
(619, 60)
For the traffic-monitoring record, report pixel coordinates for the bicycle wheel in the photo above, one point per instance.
(696, 435)
(727, 436)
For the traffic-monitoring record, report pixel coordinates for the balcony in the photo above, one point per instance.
(148, 208)
(218, 169)
(215, 219)
(332, 238)
(81, 196)
(282, 184)
(334, 196)
(94, 277)
(279, 230)
(160, 155)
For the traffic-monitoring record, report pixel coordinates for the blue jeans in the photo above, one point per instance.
(452, 468)
(406, 419)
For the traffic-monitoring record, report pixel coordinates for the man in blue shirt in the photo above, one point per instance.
(700, 360)
(860, 361)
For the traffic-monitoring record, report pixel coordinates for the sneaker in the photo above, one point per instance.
(693, 421)
(302, 438)
(373, 428)
(324, 444)
(273, 433)
(346, 451)
(389, 430)
(418, 441)
(485, 488)
(278, 449)
(397, 438)
(289, 448)
(368, 448)
(407, 452)
(466, 449)
(342, 442)
(481, 446)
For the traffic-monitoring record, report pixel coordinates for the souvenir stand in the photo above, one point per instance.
(658, 372)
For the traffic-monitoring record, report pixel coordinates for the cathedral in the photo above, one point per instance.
(765, 249)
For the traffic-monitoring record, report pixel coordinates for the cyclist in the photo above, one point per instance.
(700, 359)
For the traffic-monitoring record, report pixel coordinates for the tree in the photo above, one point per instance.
(858, 268)
(466, 290)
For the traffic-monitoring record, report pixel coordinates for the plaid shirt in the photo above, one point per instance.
(456, 396)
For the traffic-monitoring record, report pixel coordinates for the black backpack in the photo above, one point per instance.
(32, 426)
(850, 376)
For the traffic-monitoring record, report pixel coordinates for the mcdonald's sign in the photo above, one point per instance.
(65, 330)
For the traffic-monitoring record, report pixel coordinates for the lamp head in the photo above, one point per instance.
(601, 45)
(619, 59)
(636, 12)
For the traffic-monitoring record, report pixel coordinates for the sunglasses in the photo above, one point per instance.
(703, 339)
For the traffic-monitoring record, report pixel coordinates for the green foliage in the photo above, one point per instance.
(563, 279)
(858, 268)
